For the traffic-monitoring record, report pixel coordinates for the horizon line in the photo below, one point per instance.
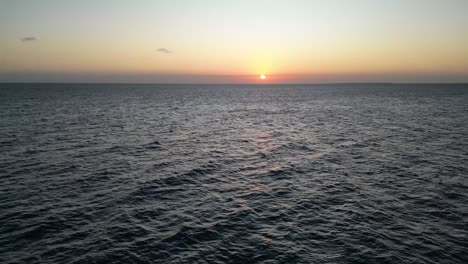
(257, 84)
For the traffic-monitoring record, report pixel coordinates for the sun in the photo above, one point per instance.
(263, 76)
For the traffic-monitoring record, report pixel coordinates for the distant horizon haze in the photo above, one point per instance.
(228, 79)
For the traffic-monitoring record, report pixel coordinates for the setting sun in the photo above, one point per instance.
(263, 77)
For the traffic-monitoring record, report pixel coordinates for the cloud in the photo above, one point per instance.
(28, 39)
(164, 50)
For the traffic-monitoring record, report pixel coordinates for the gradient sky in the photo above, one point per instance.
(216, 41)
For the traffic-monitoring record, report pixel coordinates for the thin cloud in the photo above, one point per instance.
(28, 39)
(164, 50)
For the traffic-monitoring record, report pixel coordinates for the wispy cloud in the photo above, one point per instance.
(28, 39)
(164, 50)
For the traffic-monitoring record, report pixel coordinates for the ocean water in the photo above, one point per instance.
(233, 174)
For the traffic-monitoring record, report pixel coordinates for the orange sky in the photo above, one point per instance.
(295, 41)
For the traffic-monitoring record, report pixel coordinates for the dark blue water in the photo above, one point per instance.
(233, 174)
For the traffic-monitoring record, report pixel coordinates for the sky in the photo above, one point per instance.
(217, 41)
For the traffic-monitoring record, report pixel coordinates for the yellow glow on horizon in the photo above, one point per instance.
(293, 41)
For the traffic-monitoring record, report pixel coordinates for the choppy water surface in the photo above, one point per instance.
(233, 174)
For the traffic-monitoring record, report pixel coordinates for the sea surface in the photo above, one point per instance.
(349, 173)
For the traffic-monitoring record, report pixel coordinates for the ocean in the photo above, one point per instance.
(125, 173)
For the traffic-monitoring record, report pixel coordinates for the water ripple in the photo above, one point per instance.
(233, 174)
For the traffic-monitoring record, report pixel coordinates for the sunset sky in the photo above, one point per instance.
(215, 41)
